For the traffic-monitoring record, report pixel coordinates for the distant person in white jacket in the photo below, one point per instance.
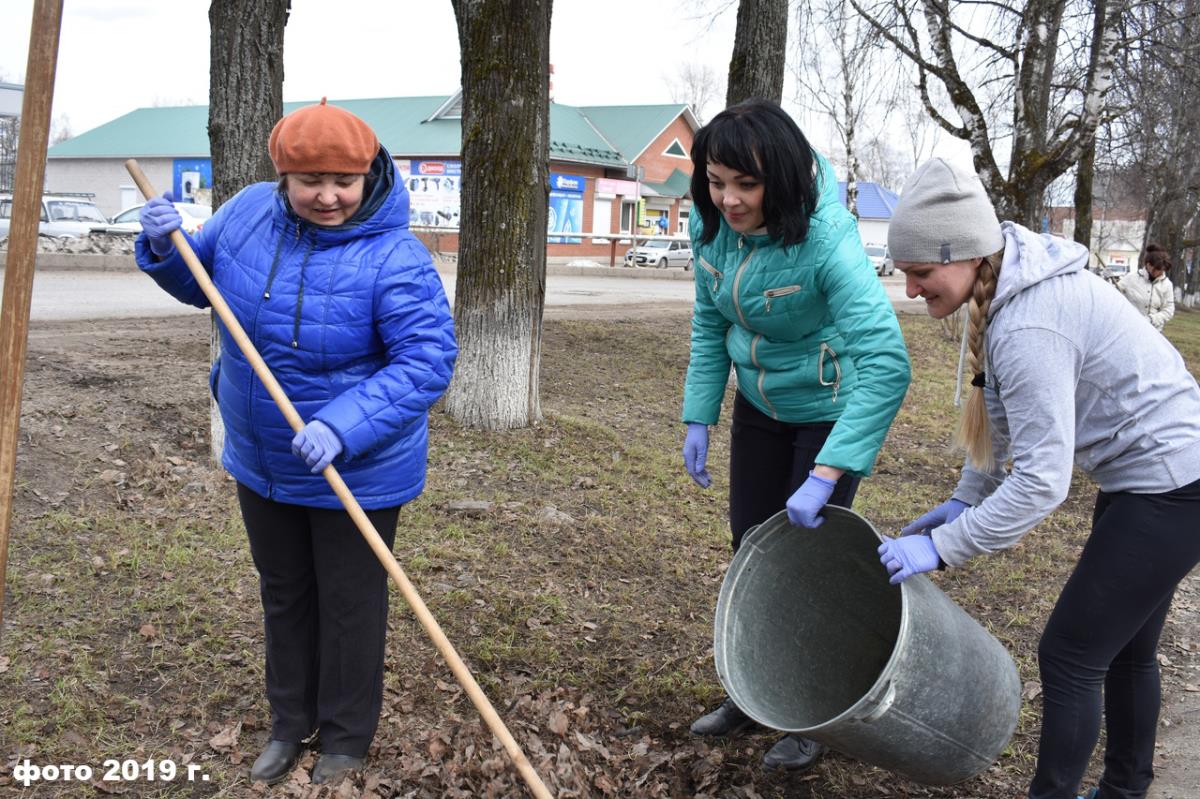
(1062, 376)
(1149, 288)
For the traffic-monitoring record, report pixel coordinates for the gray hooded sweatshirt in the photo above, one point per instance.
(1074, 375)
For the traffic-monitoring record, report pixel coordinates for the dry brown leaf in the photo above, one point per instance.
(558, 722)
(227, 738)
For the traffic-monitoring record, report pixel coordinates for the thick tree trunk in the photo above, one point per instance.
(759, 51)
(245, 102)
(501, 286)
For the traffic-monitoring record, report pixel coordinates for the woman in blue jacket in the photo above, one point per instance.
(345, 307)
(786, 295)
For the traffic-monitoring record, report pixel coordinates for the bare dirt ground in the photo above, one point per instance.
(573, 564)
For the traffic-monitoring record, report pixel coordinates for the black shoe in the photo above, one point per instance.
(727, 720)
(330, 767)
(793, 753)
(276, 762)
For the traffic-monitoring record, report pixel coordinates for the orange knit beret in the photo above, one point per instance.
(322, 138)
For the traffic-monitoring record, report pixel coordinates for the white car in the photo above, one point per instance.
(129, 221)
(661, 253)
(877, 254)
(62, 215)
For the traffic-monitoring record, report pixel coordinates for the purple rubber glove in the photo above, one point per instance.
(945, 513)
(317, 445)
(904, 557)
(159, 218)
(804, 507)
(695, 453)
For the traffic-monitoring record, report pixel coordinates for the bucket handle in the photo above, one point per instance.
(882, 705)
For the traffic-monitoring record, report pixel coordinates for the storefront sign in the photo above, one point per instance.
(626, 188)
(565, 214)
(434, 191)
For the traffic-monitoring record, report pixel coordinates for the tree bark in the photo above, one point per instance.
(501, 285)
(245, 102)
(759, 51)
(1085, 176)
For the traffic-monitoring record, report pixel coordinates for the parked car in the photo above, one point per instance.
(62, 215)
(129, 221)
(1114, 272)
(660, 253)
(877, 254)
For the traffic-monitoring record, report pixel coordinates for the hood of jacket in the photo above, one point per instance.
(1030, 258)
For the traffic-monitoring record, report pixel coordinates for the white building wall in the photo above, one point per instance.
(104, 177)
(873, 231)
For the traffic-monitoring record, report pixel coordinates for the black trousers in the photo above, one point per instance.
(325, 603)
(1102, 639)
(768, 461)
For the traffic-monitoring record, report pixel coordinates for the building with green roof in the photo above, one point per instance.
(612, 167)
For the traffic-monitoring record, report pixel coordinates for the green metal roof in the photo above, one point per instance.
(607, 136)
(631, 128)
(677, 185)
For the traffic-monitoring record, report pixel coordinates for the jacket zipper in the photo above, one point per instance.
(771, 294)
(266, 295)
(714, 272)
(737, 278)
(762, 375)
(837, 369)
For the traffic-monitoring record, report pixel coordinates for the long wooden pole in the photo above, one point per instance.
(461, 672)
(22, 250)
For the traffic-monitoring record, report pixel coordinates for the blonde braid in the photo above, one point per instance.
(974, 432)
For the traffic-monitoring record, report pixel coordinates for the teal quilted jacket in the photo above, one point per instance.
(808, 329)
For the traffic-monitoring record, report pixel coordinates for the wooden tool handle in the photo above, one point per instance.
(432, 628)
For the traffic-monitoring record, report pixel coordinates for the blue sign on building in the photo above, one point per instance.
(565, 214)
(192, 181)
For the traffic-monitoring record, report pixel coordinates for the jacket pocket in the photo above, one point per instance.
(771, 294)
(836, 382)
(713, 273)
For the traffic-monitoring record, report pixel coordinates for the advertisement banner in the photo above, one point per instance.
(192, 181)
(565, 214)
(434, 191)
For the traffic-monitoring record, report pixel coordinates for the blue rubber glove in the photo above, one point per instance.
(904, 557)
(945, 513)
(695, 453)
(805, 505)
(159, 218)
(317, 445)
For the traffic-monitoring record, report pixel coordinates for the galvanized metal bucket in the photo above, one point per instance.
(811, 638)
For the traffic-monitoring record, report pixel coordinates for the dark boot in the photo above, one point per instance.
(332, 767)
(727, 720)
(793, 753)
(276, 762)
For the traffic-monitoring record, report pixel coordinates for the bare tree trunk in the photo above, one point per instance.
(1085, 176)
(501, 286)
(245, 102)
(759, 51)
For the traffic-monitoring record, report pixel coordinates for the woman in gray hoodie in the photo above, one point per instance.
(1062, 375)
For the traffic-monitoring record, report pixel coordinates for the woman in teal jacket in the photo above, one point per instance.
(786, 295)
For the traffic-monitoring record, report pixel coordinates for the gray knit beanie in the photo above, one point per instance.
(943, 215)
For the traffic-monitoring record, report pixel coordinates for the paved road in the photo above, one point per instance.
(79, 294)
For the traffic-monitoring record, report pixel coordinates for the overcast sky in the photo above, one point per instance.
(118, 55)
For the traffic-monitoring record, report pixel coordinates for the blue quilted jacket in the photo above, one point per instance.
(351, 320)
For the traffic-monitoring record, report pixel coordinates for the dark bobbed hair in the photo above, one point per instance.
(1157, 257)
(758, 138)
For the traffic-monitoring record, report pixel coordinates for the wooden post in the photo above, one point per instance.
(22, 249)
